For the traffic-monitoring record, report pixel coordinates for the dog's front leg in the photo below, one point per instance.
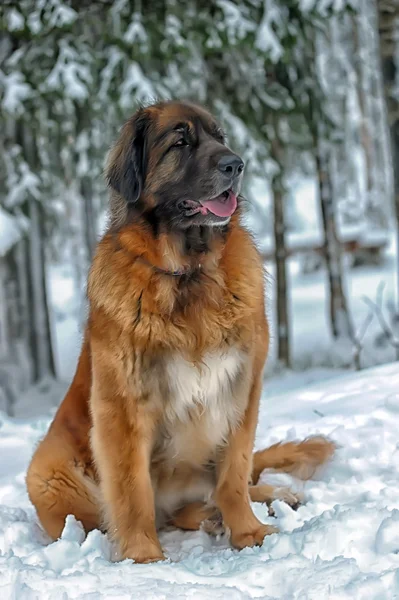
(122, 440)
(234, 474)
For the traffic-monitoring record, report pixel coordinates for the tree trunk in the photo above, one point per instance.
(40, 337)
(365, 136)
(89, 217)
(340, 321)
(280, 253)
(381, 143)
(41, 340)
(85, 182)
(388, 29)
(341, 325)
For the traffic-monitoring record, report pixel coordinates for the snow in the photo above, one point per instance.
(234, 20)
(16, 92)
(15, 20)
(343, 543)
(69, 72)
(323, 6)
(62, 16)
(311, 340)
(135, 86)
(266, 38)
(387, 538)
(23, 184)
(9, 232)
(304, 214)
(135, 31)
(301, 241)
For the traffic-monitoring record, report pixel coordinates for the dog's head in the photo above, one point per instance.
(172, 166)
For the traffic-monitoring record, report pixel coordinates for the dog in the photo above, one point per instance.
(158, 425)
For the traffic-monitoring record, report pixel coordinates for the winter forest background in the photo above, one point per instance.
(308, 93)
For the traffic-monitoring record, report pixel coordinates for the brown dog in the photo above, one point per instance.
(158, 425)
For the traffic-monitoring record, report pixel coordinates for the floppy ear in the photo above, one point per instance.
(125, 170)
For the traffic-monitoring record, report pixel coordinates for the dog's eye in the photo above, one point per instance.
(181, 142)
(219, 135)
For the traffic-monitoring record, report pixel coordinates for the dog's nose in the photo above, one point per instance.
(231, 165)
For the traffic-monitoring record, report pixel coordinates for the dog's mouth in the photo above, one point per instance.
(223, 205)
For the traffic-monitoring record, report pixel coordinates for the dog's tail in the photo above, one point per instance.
(301, 459)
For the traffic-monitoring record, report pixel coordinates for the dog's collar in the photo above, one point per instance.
(161, 271)
(179, 273)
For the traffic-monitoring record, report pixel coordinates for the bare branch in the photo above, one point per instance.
(378, 309)
(359, 337)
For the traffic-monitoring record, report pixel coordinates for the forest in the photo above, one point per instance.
(307, 91)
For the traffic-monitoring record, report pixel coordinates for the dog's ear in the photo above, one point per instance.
(125, 170)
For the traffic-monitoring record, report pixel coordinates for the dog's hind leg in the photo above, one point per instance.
(269, 493)
(301, 459)
(192, 515)
(200, 515)
(60, 478)
(58, 486)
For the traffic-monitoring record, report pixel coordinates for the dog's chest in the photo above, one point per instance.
(203, 384)
(203, 402)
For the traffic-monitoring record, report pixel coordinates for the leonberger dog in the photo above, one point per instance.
(157, 428)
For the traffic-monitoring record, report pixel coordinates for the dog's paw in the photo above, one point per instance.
(144, 552)
(294, 500)
(214, 525)
(144, 556)
(255, 537)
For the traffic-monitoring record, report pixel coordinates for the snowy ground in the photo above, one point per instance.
(342, 544)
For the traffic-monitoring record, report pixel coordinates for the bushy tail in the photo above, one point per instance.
(301, 459)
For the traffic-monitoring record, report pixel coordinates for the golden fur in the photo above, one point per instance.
(158, 424)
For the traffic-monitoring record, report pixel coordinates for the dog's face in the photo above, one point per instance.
(172, 166)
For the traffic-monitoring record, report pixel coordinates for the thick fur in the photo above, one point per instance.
(159, 422)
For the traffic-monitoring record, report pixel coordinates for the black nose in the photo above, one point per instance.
(231, 165)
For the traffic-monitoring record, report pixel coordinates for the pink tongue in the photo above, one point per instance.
(221, 206)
